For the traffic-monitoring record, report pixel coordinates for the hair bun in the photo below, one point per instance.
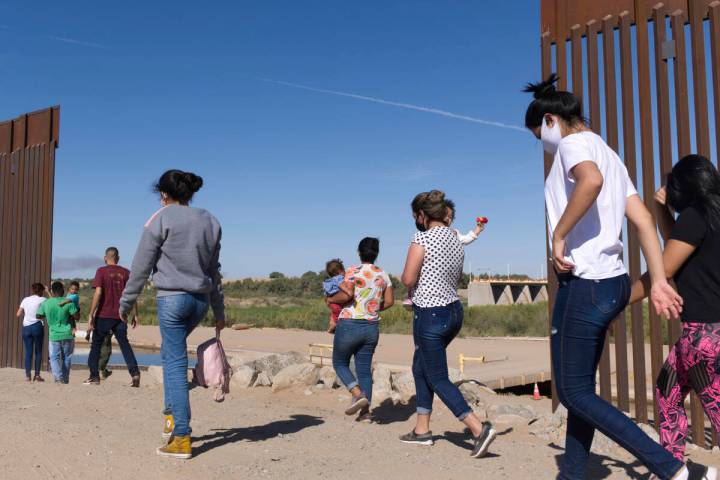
(542, 89)
(436, 196)
(194, 182)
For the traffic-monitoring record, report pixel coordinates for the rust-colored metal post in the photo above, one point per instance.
(27, 169)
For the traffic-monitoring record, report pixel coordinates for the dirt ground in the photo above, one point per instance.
(110, 431)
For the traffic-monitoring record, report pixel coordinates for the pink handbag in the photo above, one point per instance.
(213, 369)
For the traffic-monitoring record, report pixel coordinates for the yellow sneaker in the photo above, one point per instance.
(169, 426)
(178, 447)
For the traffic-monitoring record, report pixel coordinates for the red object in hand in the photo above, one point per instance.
(482, 220)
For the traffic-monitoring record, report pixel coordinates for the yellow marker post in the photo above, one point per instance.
(462, 359)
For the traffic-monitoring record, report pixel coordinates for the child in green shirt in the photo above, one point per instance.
(60, 317)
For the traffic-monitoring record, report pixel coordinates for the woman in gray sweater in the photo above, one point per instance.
(180, 248)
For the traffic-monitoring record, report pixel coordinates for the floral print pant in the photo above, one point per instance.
(693, 362)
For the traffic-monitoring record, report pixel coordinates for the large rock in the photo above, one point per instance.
(473, 393)
(602, 445)
(236, 360)
(272, 364)
(262, 380)
(524, 411)
(510, 419)
(243, 377)
(404, 384)
(550, 427)
(300, 374)
(327, 376)
(382, 384)
(560, 416)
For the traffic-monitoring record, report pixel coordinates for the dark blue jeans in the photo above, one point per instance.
(103, 328)
(433, 330)
(358, 338)
(583, 311)
(33, 336)
(178, 315)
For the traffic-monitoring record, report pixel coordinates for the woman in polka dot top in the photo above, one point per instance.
(433, 268)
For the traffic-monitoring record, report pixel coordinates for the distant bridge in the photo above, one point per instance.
(507, 292)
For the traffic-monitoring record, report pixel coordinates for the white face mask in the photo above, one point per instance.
(551, 137)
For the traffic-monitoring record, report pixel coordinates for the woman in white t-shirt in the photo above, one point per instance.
(33, 331)
(588, 194)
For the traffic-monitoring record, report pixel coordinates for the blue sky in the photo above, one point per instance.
(295, 175)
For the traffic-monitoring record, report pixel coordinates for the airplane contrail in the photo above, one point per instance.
(75, 42)
(382, 101)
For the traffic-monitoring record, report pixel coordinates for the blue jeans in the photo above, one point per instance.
(433, 330)
(60, 352)
(358, 338)
(583, 311)
(33, 336)
(105, 327)
(178, 315)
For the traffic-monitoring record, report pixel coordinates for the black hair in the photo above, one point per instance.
(75, 283)
(334, 267)
(451, 208)
(695, 182)
(369, 249)
(179, 185)
(548, 100)
(112, 252)
(57, 289)
(38, 289)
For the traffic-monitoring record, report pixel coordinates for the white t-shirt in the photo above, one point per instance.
(30, 306)
(594, 244)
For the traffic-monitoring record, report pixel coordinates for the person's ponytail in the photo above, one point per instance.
(547, 99)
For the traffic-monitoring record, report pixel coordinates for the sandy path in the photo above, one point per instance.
(111, 431)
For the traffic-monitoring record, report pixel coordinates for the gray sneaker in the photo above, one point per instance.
(483, 441)
(364, 416)
(422, 439)
(357, 404)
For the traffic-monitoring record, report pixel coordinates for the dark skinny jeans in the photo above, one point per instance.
(583, 310)
(33, 337)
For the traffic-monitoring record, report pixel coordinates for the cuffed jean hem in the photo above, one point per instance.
(352, 385)
(464, 415)
(424, 411)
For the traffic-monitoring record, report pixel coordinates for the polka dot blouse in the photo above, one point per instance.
(442, 267)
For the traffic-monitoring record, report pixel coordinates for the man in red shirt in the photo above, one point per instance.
(104, 319)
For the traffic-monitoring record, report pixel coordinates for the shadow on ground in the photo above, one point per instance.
(599, 465)
(220, 437)
(464, 439)
(388, 412)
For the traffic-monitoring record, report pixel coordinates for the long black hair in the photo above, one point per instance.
(547, 99)
(695, 182)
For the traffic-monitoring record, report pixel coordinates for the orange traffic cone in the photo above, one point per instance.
(536, 392)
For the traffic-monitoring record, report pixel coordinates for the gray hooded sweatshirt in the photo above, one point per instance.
(180, 247)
